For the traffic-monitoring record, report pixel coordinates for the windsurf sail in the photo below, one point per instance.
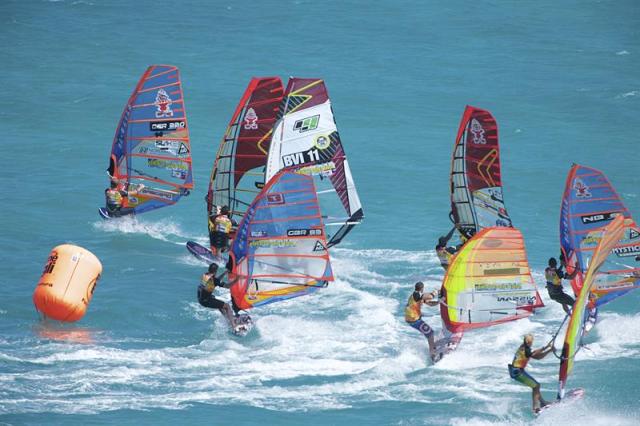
(280, 249)
(488, 282)
(590, 202)
(608, 237)
(238, 172)
(151, 144)
(306, 137)
(476, 181)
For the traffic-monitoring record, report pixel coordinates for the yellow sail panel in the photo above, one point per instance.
(489, 282)
(611, 234)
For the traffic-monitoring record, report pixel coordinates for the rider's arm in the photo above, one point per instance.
(430, 299)
(542, 352)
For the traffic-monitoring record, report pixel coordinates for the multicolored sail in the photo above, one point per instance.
(476, 183)
(590, 202)
(608, 237)
(280, 249)
(151, 144)
(239, 169)
(306, 137)
(488, 282)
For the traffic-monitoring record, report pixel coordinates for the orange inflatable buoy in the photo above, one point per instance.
(67, 283)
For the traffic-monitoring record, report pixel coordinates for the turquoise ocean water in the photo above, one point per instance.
(562, 80)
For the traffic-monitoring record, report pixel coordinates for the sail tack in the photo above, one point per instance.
(589, 203)
(280, 249)
(488, 282)
(239, 169)
(476, 182)
(608, 237)
(151, 144)
(306, 137)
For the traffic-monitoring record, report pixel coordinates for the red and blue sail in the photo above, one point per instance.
(151, 150)
(280, 248)
(589, 204)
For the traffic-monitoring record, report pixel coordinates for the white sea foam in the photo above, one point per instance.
(346, 343)
(163, 230)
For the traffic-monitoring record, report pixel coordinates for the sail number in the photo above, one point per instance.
(311, 156)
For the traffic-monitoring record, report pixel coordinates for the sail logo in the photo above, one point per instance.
(582, 190)
(600, 217)
(303, 232)
(163, 103)
(251, 120)
(319, 246)
(322, 142)
(633, 234)
(306, 124)
(275, 198)
(627, 250)
(160, 126)
(478, 132)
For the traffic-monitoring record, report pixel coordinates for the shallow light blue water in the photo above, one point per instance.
(561, 78)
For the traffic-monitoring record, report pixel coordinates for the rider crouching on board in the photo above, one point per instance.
(554, 276)
(116, 198)
(413, 313)
(206, 297)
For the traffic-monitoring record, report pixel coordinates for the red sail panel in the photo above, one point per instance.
(238, 172)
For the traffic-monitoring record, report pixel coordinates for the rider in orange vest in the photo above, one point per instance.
(413, 313)
(219, 228)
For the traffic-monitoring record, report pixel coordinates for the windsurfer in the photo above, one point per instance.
(117, 198)
(207, 298)
(219, 229)
(413, 313)
(518, 373)
(554, 277)
(446, 253)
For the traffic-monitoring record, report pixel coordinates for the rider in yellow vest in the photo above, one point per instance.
(206, 296)
(219, 228)
(413, 313)
(445, 253)
(518, 373)
(554, 275)
(116, 198)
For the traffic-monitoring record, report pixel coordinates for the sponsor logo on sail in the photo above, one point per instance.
(582, 190)
(478, 132)
(275, 198)
(627, 250)
(163, 104)
(322, 142)
(306, 124)
(319, 246)
(251, 120)
(600, 217)
(303, 232)
(161, 126)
